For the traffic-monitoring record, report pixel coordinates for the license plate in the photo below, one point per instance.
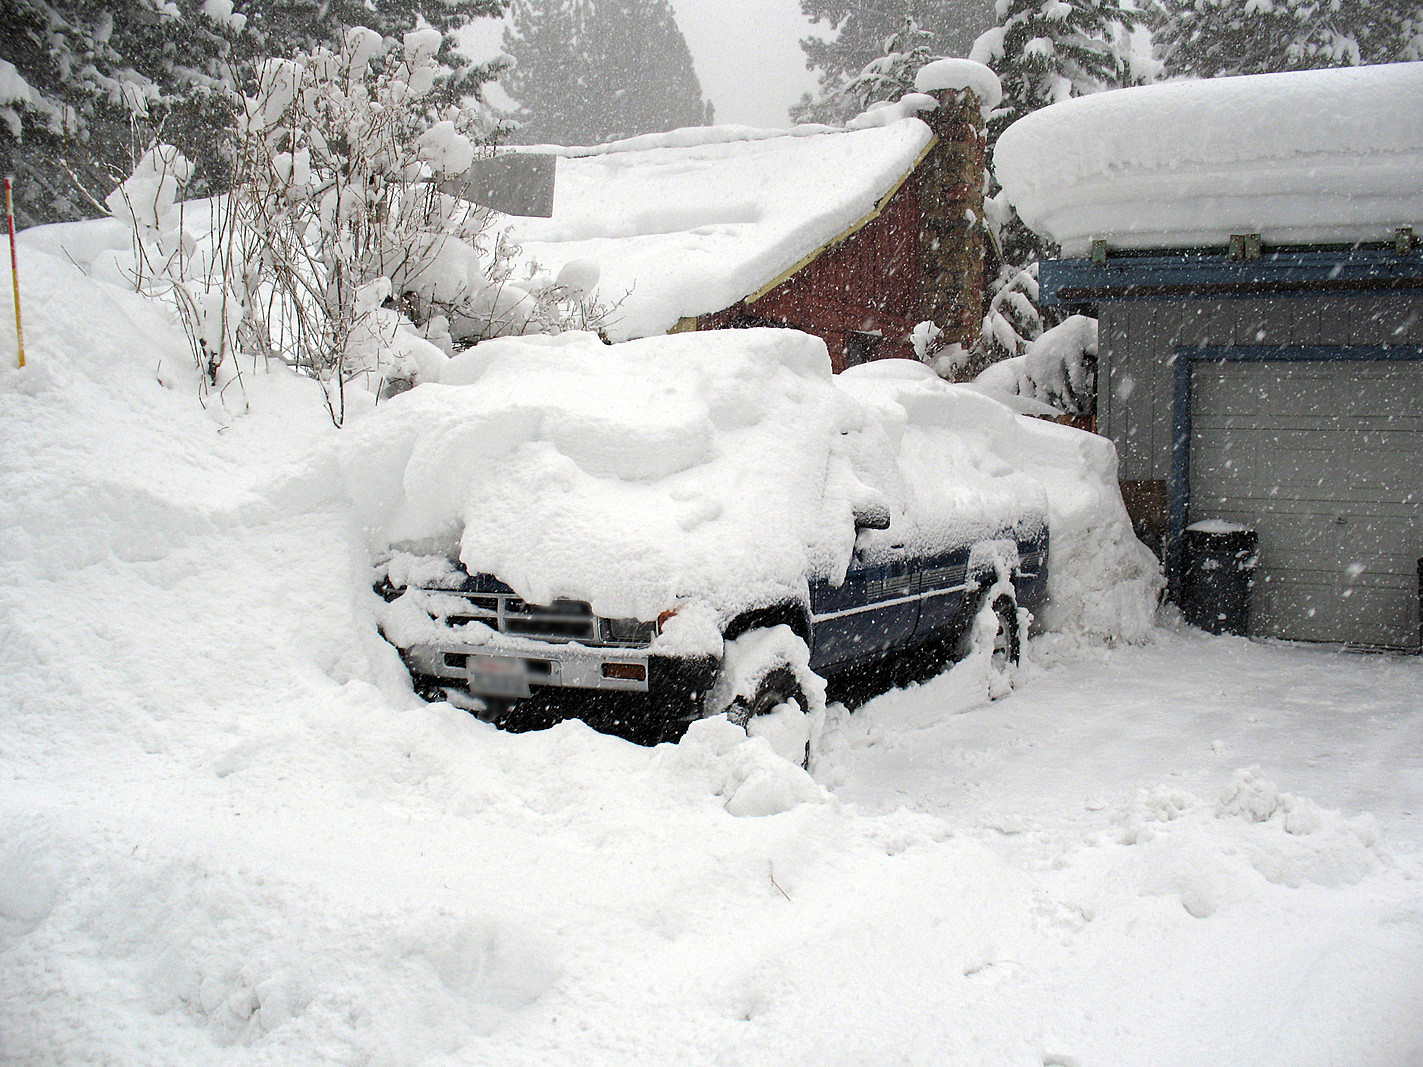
(496, 676)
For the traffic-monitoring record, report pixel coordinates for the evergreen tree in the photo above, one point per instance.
(1209, 38)
(88, 69)
(887, 77)
(91, 81)
(284, 27)
(864, 33)
(590, 71)
(1044, 51)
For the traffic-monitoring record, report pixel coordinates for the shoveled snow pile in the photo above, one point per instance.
(724, 469)
(1319, 156)
(229, 833)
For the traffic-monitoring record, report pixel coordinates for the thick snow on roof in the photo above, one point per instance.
(1308, 157)
(690, 222)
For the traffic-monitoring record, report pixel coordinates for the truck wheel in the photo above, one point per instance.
(1006, 649)
(777, 712)
(762, 688)
(996, 641)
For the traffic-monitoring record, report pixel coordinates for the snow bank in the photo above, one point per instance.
(1306, 157)
(689, 222)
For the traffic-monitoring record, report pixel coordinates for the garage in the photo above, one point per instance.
(1258, 284)
(1324, 458)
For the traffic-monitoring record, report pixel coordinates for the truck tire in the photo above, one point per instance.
(762, 688)
(996, 638)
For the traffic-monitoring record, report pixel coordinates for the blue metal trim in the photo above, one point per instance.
(1183, 358)
(1210, 273)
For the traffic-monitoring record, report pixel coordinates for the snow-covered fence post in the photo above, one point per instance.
(14, 270)
(952, 241)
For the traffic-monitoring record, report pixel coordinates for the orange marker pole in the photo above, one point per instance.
(14, 270)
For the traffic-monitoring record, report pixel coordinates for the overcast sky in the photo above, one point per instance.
(748, 58)
(747, 54)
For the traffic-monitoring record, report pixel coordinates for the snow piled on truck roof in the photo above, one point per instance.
(1306, 157)
(724, 468)
(690, 222)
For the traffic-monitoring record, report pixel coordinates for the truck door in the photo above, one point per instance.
(874, 611)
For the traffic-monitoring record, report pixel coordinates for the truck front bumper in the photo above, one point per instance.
(511, 672)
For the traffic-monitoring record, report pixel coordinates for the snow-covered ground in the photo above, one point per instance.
(229, 833)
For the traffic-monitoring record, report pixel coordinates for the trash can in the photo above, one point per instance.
(1220, 563)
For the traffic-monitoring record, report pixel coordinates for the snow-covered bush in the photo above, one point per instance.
(1058, 368)
(338, 203)
(168, 260)
(344, 247)
(1013, 320)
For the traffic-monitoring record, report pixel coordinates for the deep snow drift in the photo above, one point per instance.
(230, 834)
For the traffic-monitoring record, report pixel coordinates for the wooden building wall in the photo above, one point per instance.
(869, 283)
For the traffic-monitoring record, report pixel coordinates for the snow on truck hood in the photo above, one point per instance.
(1318, 156)
(718, 467)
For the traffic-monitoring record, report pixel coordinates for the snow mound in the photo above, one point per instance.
(716, 756)
(1307, 157)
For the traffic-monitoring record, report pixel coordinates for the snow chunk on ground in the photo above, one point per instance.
(1306, 157)
(1212, 854)
(717, 755)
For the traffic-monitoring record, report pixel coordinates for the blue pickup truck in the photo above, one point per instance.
(483, 640)
(697, 524)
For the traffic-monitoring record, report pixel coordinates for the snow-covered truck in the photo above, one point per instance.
(701, 523)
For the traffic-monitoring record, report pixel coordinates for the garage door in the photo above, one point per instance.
(1325, 460)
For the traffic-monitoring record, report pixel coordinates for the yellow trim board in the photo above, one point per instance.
(880, 205)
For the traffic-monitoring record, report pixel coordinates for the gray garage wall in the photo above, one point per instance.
(1324, 459)
(1139, 337)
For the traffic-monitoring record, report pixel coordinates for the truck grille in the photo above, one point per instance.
(563, 620)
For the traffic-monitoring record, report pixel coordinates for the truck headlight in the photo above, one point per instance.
(629, 630)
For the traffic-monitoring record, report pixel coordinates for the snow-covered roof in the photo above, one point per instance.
(1307, 157)
(692, 221)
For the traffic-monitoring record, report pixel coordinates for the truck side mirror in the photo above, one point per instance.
(871, 517)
